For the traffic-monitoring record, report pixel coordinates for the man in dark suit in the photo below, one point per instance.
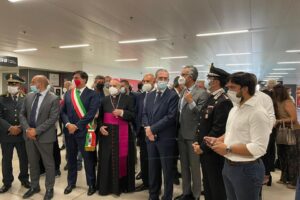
(190, 104)
(38, 116)
(11, 133)
(77, 130)
(148, 85)
(212, 122)
(159, 120)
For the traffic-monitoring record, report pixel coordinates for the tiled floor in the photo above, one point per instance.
(276, 192)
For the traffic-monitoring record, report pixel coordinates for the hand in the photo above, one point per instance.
(117, 112)
(149, 134)
(197, 148)
(103, 130)
(220, 148)
(31, 133)
(188, 97)
(210, 141)
(72, 128)
(14, 130)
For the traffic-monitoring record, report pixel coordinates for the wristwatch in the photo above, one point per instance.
(228, 149)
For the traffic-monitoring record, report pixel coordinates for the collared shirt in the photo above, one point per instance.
(217, 91)
(266, 102)
(41, 99)
(81, 90)
(248, 124)
(191, 105)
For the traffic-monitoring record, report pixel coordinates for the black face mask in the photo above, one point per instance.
(100, 86)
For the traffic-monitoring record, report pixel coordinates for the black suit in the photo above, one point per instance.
(213, 118)
(141, 137)
(160, 115)
(9, 116)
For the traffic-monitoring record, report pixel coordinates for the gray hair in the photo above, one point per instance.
(193, 71)
(160, 70)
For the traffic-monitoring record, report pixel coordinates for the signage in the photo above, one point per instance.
(8, 61)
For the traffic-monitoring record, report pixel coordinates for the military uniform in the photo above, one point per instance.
(10, 105)
(212, 122)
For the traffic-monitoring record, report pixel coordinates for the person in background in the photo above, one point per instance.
(106, 85)
(290, 93)
(116, 143)
(178, 87)
(287, 154)
(11, 134)
(190, 104)
(201, 84)
(245, 140)
(99, 86)
(159, 120)
(270, 84)
(148, 85)
(140, 87)
(212, 122)
(39, 113)
(77, 130)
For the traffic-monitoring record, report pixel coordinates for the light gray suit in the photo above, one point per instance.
(188, 120)
(46, 135)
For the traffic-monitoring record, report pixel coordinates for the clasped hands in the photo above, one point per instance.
(72, 128)
(216, 144)
(149, 134)
(14, 130)
(31, 133)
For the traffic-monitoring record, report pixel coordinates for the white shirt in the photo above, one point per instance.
(248, 124)
(41, 99)
(81, 90)
(191, 105)
(266, 102)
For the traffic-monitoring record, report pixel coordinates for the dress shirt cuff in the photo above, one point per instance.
(67, 124)
(192, 105)
(255, 149)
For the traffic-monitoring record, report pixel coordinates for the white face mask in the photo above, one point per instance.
(232, 96)
(113, 91)
(181, 80)
(65, 90)
(147, 87)
(13, 89)
(123, 90)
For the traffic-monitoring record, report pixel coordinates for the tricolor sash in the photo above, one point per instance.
(90, 139)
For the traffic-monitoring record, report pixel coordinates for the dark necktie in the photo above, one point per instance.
(15, 98)
(33, 111)
(158, 97)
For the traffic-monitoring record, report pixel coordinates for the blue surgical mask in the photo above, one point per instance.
(162, 85)
(34, 89)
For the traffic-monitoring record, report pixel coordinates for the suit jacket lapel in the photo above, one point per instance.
(156, 106)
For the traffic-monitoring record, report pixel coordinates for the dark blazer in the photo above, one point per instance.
(9, 116)
(91, 103)
(139, 106)
(213, 119)
(161, 117)
(47, 117)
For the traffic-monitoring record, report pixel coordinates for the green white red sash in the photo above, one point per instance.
(90, 140)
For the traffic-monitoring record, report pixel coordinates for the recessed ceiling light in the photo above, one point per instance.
(173, 57)
(137, 41)
(288, 62)
(14, 1)
(284, 69)
(273, 76)
(126, 60)
(232, 54)
(198, 65)
(239, 64)
(74, 46)
(221, 33)
(25, 50)
(292, 51)
(279, 73)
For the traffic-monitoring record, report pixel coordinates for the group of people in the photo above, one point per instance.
(226, 128)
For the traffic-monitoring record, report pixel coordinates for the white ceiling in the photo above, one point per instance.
(274, 28)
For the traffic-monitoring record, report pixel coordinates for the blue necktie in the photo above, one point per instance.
(33, 111)
(158, 97)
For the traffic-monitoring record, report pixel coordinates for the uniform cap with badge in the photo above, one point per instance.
(13, 80)
(218, 74)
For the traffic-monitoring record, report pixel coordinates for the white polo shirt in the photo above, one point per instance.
(248, 124)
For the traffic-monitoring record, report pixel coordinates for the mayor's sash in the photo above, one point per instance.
(90, 139)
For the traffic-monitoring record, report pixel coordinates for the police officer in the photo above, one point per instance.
(212, 122)
(11, 133)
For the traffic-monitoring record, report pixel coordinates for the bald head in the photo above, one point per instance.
(40, 81)
(115, 83)
(149, 78)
